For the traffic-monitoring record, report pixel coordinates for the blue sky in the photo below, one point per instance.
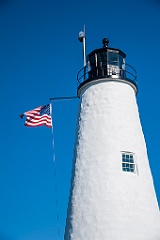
(40, 56)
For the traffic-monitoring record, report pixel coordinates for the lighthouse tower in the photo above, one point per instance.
(112, 194)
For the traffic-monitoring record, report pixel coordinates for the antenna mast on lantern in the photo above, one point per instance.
(82, 38)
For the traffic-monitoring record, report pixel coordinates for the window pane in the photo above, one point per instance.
(121, 62)
(113, 58)
(102, 57)
(131, 159)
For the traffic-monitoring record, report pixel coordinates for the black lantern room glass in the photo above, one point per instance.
(106, 62)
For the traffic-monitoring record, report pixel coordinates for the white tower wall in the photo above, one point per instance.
(107, 203)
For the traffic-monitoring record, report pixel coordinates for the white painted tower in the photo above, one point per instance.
(112, 193)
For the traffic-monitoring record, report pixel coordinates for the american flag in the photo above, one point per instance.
(38, 117)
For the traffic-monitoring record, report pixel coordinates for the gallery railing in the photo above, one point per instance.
(107, 70)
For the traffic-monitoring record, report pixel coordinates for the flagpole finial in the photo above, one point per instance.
(21, 115)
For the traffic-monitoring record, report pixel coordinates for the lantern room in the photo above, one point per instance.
(106, 64)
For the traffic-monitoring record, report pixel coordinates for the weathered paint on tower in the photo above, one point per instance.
(112, 193)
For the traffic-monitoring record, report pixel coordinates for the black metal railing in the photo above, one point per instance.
(107, 70)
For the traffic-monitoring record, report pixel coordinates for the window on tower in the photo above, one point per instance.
(128, 162)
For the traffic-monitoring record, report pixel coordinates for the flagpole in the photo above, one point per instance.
(54, 159)
(55, 176)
